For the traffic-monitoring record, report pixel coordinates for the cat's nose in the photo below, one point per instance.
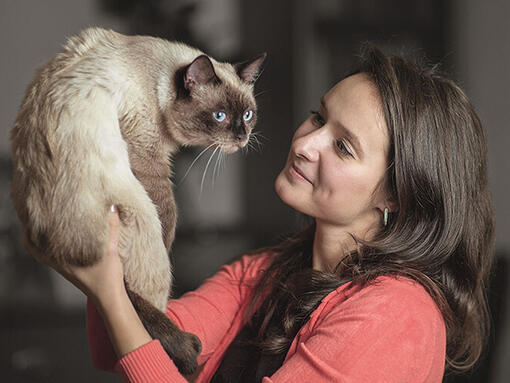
(240, 130)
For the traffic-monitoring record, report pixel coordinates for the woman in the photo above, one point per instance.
(387, 284)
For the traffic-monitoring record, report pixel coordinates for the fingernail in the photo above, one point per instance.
(113, 208)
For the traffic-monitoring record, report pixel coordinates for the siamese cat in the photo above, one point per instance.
(97, 127)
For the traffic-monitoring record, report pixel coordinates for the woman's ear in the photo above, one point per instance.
(392, 206)
(383, 199)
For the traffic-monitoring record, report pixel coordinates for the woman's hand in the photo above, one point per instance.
(101, 282)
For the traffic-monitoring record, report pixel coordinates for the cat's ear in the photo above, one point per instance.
(199, 72)
(249, 70)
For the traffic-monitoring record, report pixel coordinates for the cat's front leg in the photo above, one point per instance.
(148, 276)
(182, 347)
(159, 189)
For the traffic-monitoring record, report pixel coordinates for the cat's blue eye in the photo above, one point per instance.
(248, 115)
(219, 116)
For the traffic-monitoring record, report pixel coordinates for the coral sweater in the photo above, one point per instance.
(390, 331)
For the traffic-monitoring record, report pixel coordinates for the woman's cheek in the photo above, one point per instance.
(292, 196)
(346, 190)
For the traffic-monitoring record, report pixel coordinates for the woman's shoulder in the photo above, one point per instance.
(249, 265)
(391, 324)
(385, 291)
(391, 299)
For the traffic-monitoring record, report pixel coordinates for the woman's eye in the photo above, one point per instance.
(317, 118)
(248, 115)
(342, 148)
(219, 116)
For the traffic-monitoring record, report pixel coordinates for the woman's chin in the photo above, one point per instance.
(287, 193)
(279, 185)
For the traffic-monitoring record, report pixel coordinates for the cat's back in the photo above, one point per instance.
(91, 45)
(41, 143)
(60, 81)
(91, 38)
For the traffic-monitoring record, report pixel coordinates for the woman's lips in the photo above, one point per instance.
(298, 173)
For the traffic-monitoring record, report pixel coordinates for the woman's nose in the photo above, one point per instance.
(309, 145)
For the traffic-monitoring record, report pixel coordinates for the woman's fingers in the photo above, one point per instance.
(114, 229)
(67, 271)
(105, 278)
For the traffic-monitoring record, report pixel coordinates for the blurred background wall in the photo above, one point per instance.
(311, 45)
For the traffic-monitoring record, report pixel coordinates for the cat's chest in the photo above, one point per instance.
(149, 159)
(142, 132)
(154, 175)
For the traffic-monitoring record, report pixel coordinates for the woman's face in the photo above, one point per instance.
(338, 159)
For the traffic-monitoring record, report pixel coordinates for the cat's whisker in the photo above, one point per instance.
(260, 93)
(259, 144)
(223, 160)
(256, 148)
(253, 138)
(205, 171)
(259, 134)
(195, 160)
(260, 73)
(250, 145)
(256, 138)
(220, 153)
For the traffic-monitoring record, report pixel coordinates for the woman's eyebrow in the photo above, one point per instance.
(350, 135)
(323, 103)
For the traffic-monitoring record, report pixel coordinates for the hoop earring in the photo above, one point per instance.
(386, 214)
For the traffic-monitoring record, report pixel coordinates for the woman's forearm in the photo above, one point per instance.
(124, 327)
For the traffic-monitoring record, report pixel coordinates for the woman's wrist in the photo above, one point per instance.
(123, 324)
(111, 302)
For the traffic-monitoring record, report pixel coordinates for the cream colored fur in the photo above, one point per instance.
(71, 158)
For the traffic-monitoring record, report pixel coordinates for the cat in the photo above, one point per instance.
(98, 126)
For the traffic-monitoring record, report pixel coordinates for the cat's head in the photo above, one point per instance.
(214, 103)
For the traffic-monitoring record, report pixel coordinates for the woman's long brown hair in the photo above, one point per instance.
(441, 236)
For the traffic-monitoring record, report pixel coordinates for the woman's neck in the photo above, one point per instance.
(332, 243)
(330, 247)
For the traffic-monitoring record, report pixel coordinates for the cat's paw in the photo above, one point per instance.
(183, 348)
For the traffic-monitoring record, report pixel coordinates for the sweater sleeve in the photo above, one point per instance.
(392, 332)
(207, 312)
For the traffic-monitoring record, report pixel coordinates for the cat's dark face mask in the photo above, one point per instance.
(215, 104)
